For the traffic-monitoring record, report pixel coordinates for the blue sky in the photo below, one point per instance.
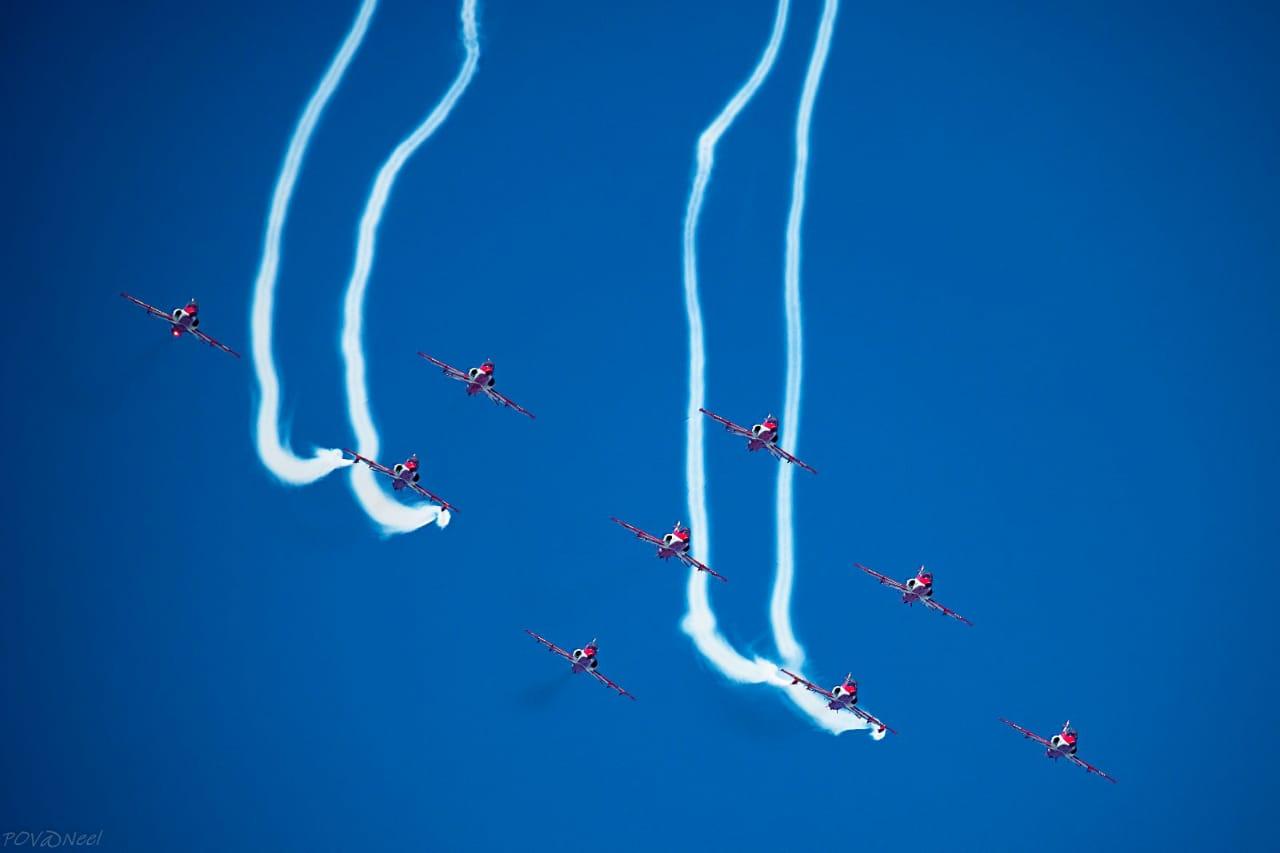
(1039, 283)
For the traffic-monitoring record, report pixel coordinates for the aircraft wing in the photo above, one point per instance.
(1032, 735)
(1087, 766)
(213, 343)
(381, 469)
(782, 454)
(640, 534)
(702, 567)
(434, 498)
(449, 370)
(728, 424)
(887, 581)
(503, 400)
(150, 309)
(611, 684)
(808, 685)
(933, 605)
(552, 647)
(870, 718)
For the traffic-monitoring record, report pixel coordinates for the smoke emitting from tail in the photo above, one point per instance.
(700, 621)
(272, 447)
(780, 603)
(394, 516)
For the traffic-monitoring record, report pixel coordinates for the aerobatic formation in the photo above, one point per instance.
(822, 705)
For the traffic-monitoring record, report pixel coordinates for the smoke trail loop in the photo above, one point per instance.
(700, 622)
(272, 448)
(394, 516)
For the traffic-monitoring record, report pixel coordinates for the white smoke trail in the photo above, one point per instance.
(700, 622)
(274, 451)
(780, 603)
(394, 516)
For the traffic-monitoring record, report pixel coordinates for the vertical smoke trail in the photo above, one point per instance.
(274, 450)
(394, 516)
(780, 603)
(700, 622)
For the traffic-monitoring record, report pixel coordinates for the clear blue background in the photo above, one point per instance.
(1040, 299)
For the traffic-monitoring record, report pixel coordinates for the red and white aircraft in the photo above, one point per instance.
(404, 474)
(762, 436)
(182, 321)
(674, 544)
(478, 379)
(918, 588)
(1061, 745)
(584, 659)
(842, 696)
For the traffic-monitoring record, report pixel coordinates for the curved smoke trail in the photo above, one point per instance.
(274, 450)
(780, 603)
(394, 516)
(700, 622)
